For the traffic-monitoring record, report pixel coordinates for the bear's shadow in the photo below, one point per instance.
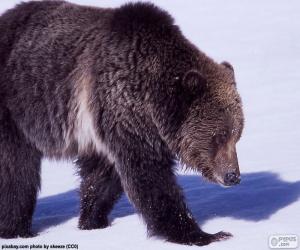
(260, 195)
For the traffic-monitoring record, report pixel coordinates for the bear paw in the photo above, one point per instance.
(14, 234)
(92, 224)
(209, 238)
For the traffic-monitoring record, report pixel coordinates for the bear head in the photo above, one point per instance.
(212, 126)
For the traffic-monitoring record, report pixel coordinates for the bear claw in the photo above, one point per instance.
(221, 236)
(209, 238)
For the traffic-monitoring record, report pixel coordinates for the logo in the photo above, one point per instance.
(283, 241)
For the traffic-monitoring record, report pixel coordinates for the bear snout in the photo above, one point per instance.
(231, 178)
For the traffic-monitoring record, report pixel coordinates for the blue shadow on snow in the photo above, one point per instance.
(260, 195)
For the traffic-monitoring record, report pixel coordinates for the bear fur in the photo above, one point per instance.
(124, 93)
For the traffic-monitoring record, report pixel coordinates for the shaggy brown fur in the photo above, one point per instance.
(126, 94)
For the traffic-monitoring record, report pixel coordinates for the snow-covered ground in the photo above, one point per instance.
(262, 40)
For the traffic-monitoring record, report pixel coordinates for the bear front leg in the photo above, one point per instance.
(99, 190)
(148, 179)
(19, 180)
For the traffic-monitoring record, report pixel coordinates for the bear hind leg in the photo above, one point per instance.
(19, 179)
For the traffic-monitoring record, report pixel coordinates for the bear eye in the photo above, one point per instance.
(221, 138)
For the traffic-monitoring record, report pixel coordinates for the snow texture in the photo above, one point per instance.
(262, 40)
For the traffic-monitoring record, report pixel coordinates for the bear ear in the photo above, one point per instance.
(228, 65)
(194, 82)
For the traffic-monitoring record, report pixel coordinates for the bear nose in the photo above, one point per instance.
(231, 179)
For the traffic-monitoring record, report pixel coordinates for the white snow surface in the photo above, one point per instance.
(262, 40)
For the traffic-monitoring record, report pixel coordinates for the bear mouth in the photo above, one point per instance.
(220, 181)
(212, 178)
(216, 179)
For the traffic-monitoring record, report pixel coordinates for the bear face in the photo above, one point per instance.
(212, 127)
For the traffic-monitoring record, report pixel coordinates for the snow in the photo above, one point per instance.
(262, 40)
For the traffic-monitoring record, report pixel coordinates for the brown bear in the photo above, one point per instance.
(126, 94)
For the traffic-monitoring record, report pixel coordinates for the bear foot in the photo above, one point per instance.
(93, 224)
(201, 238)
(209, 238)
(15, 234)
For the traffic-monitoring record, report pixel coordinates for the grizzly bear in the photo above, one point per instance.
(125, 94)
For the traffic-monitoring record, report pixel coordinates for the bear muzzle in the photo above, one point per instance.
(231, 179)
